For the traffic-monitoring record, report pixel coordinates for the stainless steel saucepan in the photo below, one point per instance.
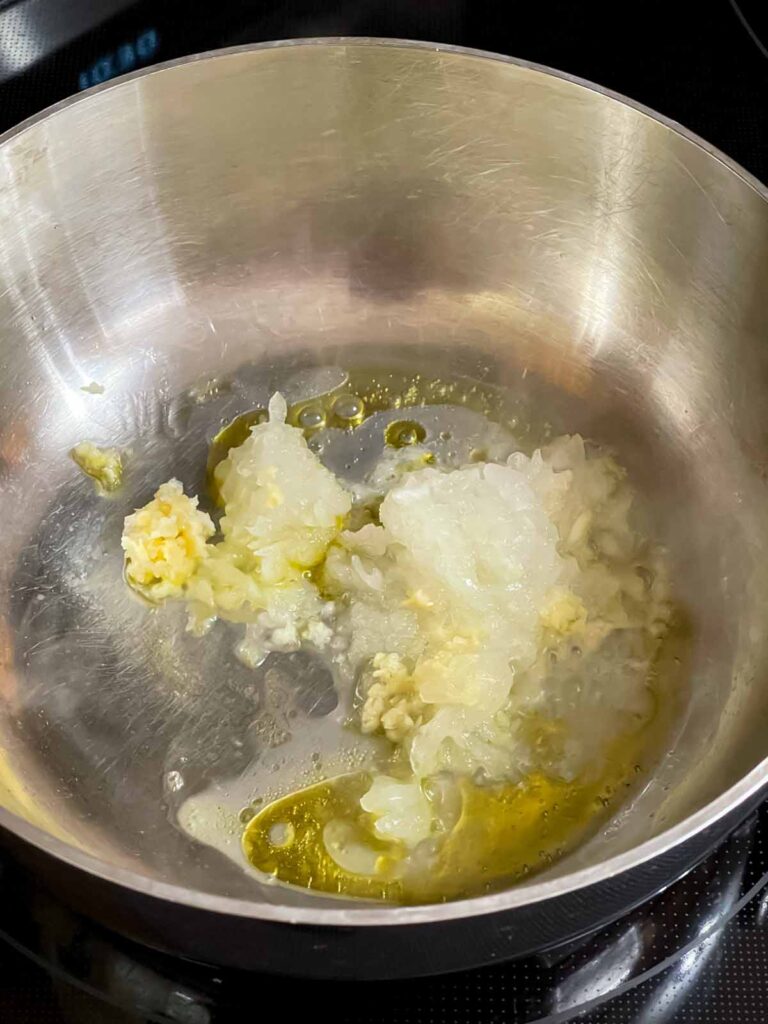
(191, 237)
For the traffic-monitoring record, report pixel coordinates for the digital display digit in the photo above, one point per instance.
(125, 57)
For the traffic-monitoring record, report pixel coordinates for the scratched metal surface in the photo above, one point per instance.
(258, 214)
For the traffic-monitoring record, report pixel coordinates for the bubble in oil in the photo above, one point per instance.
(311, 417)
(403, 433)
(349, 409)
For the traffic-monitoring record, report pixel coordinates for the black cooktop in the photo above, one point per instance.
(697, 953)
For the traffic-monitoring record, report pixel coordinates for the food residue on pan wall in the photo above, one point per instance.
(103, 465)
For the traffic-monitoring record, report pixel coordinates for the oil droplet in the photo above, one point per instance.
(311, 417)
(349, 409)
(402, 433)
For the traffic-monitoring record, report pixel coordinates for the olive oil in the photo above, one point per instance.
(286, 840)
(504, 833)
(366, 392)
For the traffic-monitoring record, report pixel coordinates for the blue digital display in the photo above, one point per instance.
(126, 57)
